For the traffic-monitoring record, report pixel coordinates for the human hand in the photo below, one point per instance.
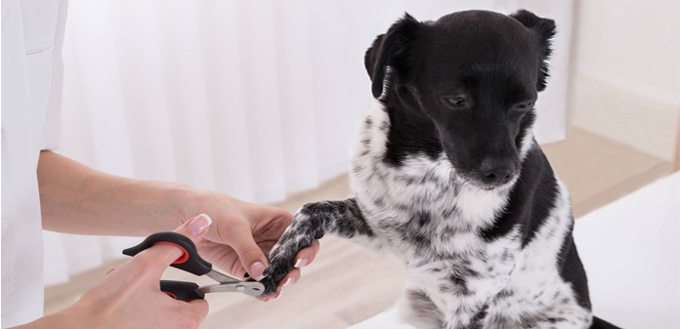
(130, 296)
(242, 233)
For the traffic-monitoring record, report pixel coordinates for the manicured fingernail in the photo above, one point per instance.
(288, 282)
(257, 271)
(199, 224)
(300, 263)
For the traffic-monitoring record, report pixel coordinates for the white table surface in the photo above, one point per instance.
(631, 252)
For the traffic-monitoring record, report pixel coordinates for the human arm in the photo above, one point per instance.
(80, 200)
(77, 199)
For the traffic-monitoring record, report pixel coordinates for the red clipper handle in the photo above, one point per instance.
(190, 260)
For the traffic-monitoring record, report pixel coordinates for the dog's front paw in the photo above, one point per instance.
(298, 236)
(278, 268)
(282, 260)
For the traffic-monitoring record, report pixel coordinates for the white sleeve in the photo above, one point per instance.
(52, 132)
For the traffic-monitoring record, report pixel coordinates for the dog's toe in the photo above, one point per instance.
(270, 286)
(275, 272)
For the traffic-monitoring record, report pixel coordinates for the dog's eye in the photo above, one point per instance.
(456, 101)
(524, 106)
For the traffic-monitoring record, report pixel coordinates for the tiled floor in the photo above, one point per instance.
(347, 284)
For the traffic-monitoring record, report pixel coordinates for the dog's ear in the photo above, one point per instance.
(544, 29)
(396, 50)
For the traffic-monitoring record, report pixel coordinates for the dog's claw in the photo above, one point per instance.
(280, 265)
(270, 286)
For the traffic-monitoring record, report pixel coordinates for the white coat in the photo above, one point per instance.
(32, 35)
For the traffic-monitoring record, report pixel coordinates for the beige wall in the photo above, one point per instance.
(633, 44)
(627, 72)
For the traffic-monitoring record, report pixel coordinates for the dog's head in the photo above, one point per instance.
(473, 75)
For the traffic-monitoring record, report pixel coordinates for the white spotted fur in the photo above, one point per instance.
(389, 199)
(533, 270)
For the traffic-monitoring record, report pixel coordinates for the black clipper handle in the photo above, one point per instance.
(181, 290)
(190, 261)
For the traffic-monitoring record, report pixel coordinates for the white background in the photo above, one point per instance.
(632, 44)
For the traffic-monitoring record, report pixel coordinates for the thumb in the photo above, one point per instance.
(160, 256)
(249, 253)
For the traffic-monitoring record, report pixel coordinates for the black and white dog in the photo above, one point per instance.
(446, 174)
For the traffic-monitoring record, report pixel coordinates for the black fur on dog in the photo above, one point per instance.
(446, 174)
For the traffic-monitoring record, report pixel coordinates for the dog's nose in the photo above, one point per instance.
(497, 171)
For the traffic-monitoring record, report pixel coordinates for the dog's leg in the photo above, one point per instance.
(465, 312)
(566, 316)
(464, 293)
(418, 310)
(342, 218)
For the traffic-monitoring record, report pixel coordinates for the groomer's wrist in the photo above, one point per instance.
(201, 202)
(192, 202)
(225, 211)
(76, 317)
(68, 318)
(172, 205)
(184, 204)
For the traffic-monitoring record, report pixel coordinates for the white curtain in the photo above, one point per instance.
(253, 98)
